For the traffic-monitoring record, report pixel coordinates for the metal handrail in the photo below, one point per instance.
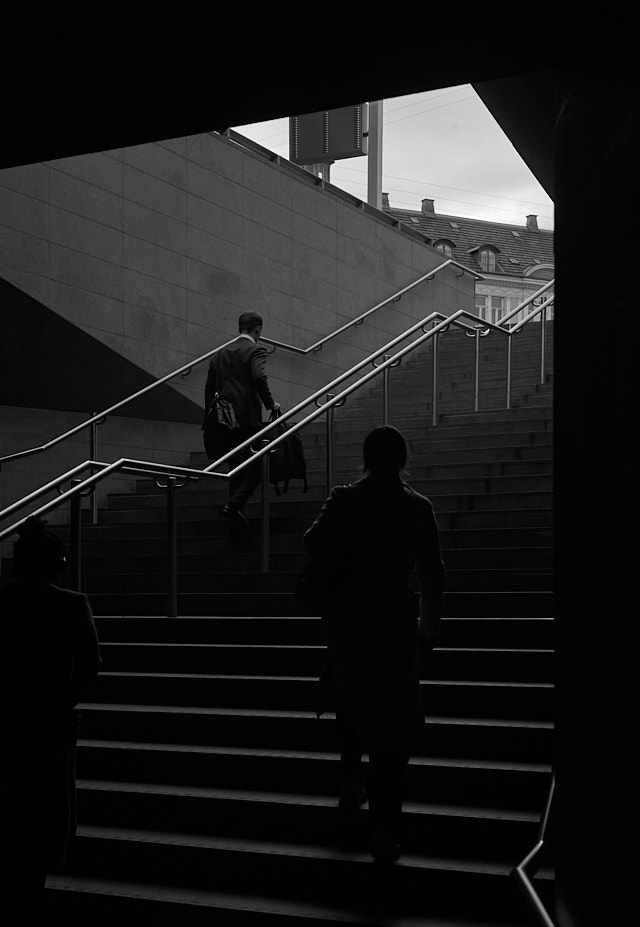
(355, 323)
(525, 869)
(174, 473)
(370, 359)
(185, 369)
(151, 468)
(96, 419)
(146, 466)
(529, 299)
(542, 308)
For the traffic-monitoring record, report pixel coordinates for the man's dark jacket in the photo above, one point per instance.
(239, 373)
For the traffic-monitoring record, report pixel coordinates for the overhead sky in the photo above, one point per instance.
(442, 145)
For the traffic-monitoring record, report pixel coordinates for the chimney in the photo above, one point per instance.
(385, 201)
(532, 223)
(427, 208)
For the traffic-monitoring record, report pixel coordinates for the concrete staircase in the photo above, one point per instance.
(207, 786)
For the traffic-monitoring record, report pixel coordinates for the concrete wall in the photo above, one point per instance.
(156, 249)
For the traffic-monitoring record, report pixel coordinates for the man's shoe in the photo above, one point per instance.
(230, 511)
(384, 846)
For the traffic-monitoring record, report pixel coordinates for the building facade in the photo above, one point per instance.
(514, 260)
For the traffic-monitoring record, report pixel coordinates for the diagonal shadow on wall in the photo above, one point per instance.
(47, 362)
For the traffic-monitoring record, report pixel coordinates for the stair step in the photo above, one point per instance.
(462, 485)
(427, 828)
(243, 880)
(256, 582)
(457, 604)
(529, 701)
(479, 632)
(76, 901)
(482, 782)
(478, 738)
(306, 660)
(96, 561)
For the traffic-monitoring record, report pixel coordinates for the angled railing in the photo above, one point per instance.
(355, 323)
(525, 870)
(98, 418)
(178, 476)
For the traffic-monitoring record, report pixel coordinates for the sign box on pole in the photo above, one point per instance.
(330, 135)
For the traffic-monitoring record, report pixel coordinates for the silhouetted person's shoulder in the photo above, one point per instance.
(20, 594)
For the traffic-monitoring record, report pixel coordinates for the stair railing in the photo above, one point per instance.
(441, 323)
(97, 418)
(355, 323)
(525, 870)
(537, 310)
(176, 476)
(479, 327)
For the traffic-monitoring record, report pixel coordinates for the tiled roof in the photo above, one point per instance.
(518, 247)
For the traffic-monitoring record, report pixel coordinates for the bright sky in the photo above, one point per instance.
(443, 145)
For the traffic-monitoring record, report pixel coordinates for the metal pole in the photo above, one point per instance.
(172, 549)
(330, 441)
(434, 383)
(264, 511)
(477, 370)
(385, 391)
(543, 325)
(509, 340)
(374, 155)
(75, 524)
(93, 455)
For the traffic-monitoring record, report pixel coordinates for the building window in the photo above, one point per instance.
(487, 259)
(444, 247)
(491, 308)
(497, 309)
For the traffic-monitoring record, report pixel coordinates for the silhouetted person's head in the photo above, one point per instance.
(250, 323)
(38, 554)
(384, 452)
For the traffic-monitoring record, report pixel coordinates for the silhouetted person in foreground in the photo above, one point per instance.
(238, 374)
(371, 535)
(49, 658)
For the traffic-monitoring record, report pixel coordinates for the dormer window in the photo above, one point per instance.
(487, 259)
(444, 246)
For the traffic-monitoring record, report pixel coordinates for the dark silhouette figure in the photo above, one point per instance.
(369, 538)
(238, 373)
(50, 656)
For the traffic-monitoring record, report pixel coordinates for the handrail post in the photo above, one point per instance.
(172, 549)
(330, 443)
(93, 455)
(75, 524)
(434, 382)
(543, 324)
(385, 391)
(264, 512)
(509, 342)
(477, 371)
